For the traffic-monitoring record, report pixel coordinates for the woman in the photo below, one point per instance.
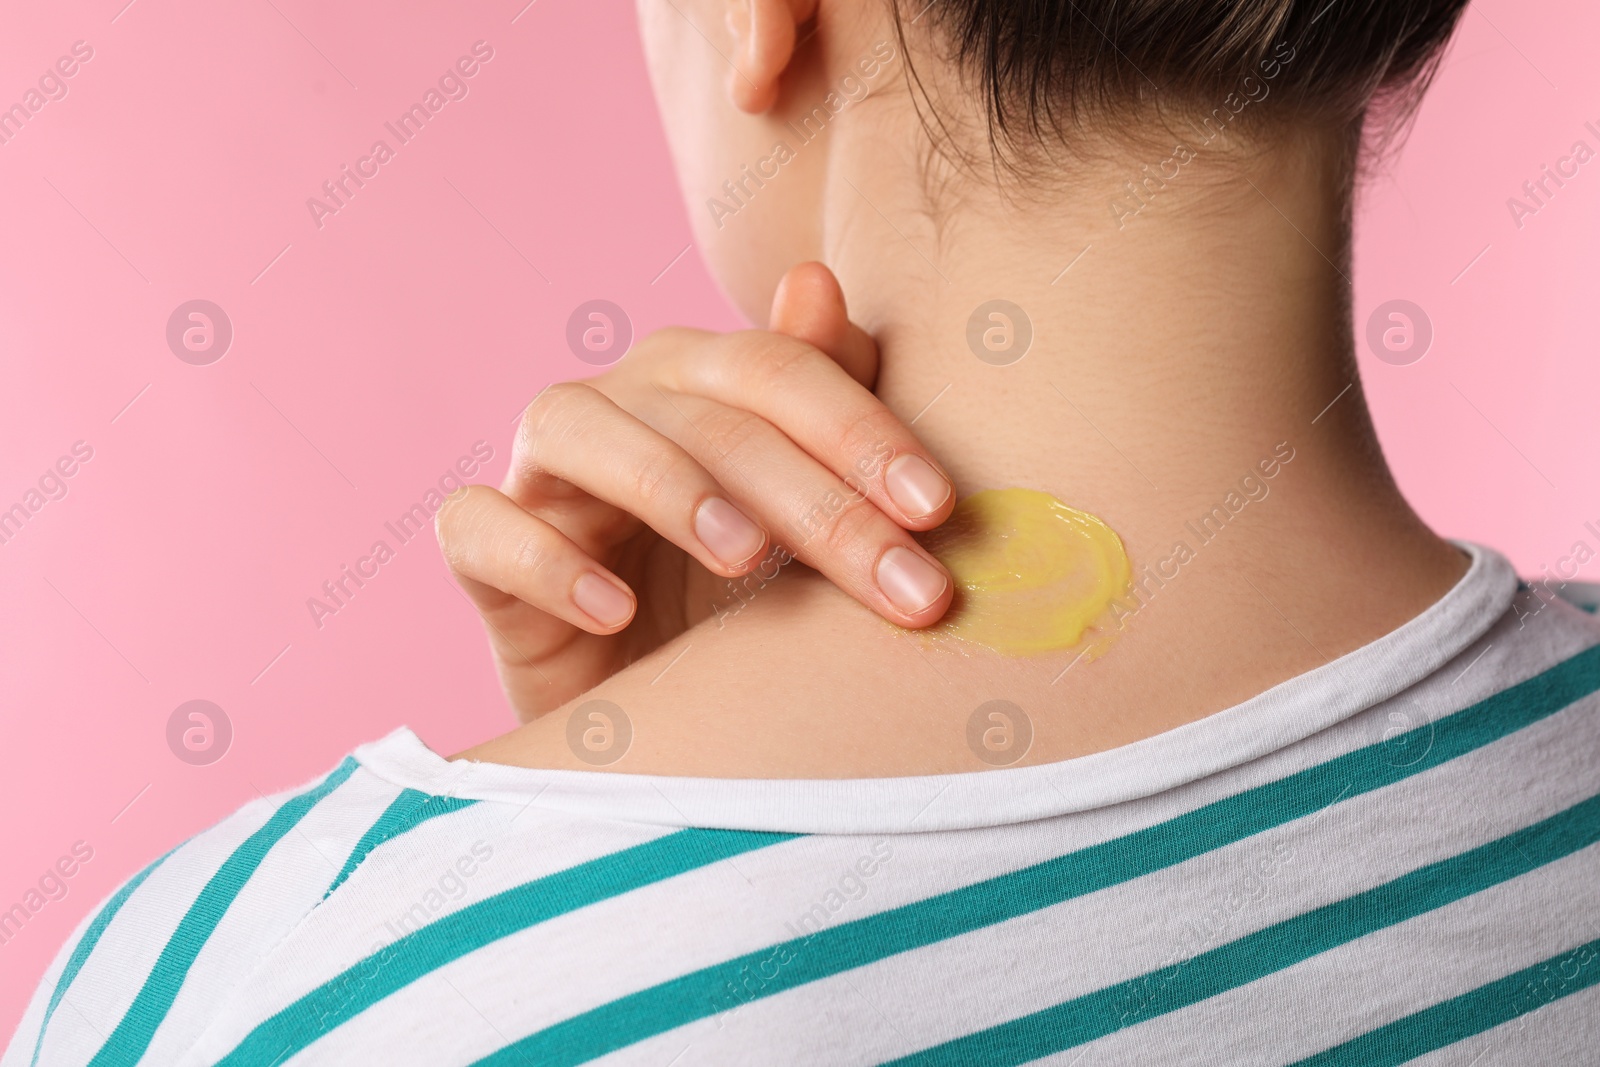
(1119, 708)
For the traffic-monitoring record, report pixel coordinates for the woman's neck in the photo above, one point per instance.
(1170, 349)
(1188, 380)
(1182, 344)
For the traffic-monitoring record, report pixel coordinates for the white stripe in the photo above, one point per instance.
(1382, 977)
(20, 1052)
(113, 974)
(279, 895)
(665, 930)
(1152, 925)
(414, 872)
(1565, 1031)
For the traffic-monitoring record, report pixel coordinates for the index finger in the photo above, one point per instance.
(825, 411)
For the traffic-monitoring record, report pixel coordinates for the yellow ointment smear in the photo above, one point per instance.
(1032, 574)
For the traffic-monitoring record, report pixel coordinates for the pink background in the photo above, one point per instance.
(373, 352)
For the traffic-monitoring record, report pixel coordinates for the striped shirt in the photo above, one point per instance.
(1391, 859)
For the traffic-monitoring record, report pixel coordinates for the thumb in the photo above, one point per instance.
(809, 306)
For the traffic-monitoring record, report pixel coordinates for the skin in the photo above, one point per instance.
(1179, 353)
(711, 442)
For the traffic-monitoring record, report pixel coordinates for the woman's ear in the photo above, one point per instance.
(764, 34)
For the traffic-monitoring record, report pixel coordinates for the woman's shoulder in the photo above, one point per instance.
(147, 966)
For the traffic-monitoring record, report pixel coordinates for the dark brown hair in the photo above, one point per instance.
(1047, 67)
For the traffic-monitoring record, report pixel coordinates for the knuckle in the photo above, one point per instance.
(659, 475)
(869, 440)
(731, 430)
(846, 527)
(531, 555)
(556, 413)
(760, 360)
(652, 356)
(456, 521)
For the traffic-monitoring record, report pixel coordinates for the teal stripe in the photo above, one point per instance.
(85, 945)
(846, 946)
(408, 810)
(1273, 949)
(1468, 1015)
(128, 1042)
(455, 935)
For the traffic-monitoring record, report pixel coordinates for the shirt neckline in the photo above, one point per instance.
(1286, 713)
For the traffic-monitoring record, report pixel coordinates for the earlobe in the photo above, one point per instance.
(764, 35)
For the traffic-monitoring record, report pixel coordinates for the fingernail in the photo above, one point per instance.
(726, 532)
(915, 487)
(601, 600)
(910, 582)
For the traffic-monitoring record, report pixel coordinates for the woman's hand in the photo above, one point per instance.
(634, 496)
